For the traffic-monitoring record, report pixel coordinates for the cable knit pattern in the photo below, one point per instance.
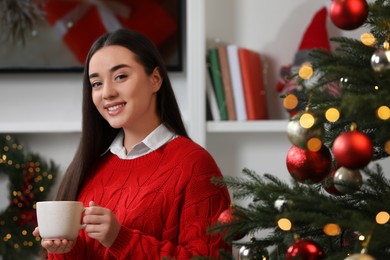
(164, 201)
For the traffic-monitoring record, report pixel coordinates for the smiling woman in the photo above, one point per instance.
(49, 35)
(145, 185)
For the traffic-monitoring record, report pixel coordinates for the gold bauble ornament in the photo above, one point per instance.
(300, 136)
(347, 181)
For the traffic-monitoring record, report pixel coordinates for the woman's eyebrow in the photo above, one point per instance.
(116, 67)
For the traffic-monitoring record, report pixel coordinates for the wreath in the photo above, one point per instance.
(30, 180)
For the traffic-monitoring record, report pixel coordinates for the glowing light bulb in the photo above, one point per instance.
(284, 224)
(290, 101)
(332, 114)
(307, 120)
(382, 217)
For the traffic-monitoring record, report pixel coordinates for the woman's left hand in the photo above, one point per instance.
(101, 224)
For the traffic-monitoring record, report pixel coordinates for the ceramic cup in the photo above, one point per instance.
(59, 219)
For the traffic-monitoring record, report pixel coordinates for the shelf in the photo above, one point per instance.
(40, 127)
(261, 126)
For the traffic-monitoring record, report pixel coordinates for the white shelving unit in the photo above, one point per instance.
(264, 126)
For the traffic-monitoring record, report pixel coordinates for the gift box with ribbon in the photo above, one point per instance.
(80, 22)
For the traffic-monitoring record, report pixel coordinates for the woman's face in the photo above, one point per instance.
(121, 90)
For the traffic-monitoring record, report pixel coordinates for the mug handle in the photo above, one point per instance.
(82, 226)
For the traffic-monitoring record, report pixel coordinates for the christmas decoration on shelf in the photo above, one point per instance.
(339, 130)
(30, 180)
(293, 87)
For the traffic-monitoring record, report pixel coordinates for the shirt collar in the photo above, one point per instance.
(157, 138)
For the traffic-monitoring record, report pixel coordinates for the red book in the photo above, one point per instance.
(253, 84)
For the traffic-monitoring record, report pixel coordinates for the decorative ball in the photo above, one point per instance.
(352, 149)
(248, 253)
(299, 136)
(380, 60)
(348, 14)
(347, 181)
(305, 249)
(328, 185)
(227, 216)
(360, 257)
(308, 166)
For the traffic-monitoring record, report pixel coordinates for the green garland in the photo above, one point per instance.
(30, 180)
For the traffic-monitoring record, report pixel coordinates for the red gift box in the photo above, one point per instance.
(81, 22)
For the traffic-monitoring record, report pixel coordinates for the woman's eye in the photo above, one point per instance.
(95, 84)
(121, 77)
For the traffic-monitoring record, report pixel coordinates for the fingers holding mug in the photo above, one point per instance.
(57, 246)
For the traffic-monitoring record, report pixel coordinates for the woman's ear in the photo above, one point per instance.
(156, 79)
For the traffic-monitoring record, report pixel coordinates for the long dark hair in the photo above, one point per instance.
(97, 134)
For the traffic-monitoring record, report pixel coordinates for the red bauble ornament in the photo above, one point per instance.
(228, 216)
(348, 14)
(305, 250)
(305, 165)
(353, 149)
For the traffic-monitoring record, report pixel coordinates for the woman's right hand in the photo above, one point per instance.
(55, 246)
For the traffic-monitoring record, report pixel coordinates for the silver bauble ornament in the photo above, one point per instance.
(299, 136)
(380, 60)
(347, 181)
(244, 253)
(359, 257)
(247, 253)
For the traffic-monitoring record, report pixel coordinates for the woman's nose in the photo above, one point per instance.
(109, 90)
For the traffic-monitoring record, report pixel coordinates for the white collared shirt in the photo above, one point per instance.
(157, 138)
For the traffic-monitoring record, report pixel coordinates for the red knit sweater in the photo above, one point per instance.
(164, 201)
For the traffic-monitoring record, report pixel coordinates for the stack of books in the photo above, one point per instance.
(235, 84)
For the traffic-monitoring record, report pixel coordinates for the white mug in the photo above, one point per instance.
(59, 219)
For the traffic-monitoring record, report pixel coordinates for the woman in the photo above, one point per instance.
(145, 185)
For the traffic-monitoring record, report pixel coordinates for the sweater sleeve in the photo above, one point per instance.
(203, 202)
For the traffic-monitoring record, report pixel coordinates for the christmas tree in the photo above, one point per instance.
(336, 205)
(30, 180)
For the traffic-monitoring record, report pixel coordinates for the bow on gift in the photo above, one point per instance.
(80, 22)
(108, 10)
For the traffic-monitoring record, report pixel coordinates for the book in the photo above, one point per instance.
(226, 81)
(253, 84)
(215, 72)
(236, 82)
(211, 100)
